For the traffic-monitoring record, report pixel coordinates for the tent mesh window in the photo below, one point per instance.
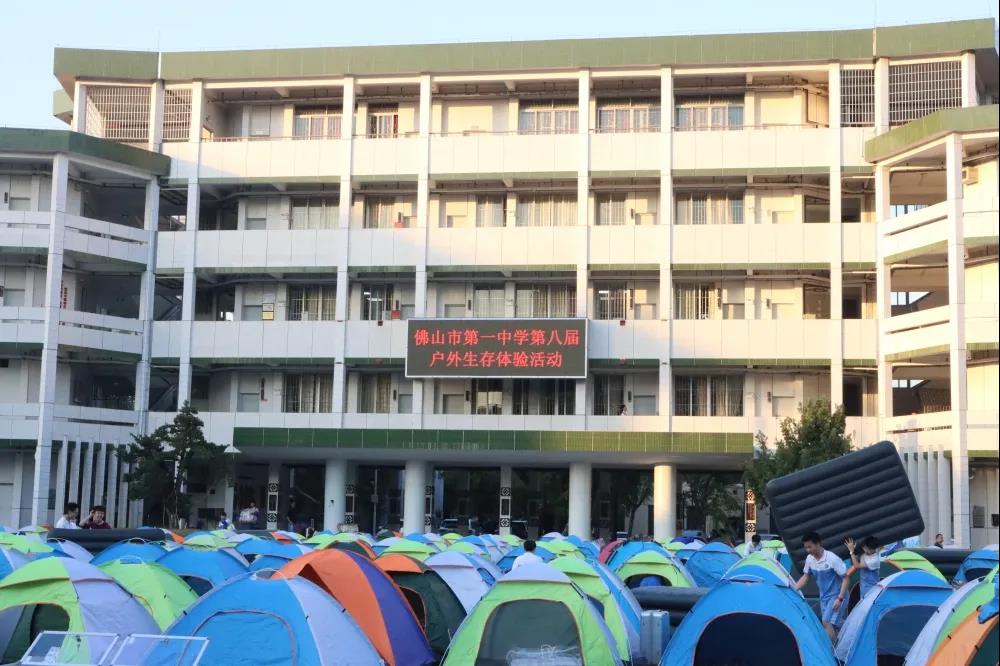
(724, 642)
(528, 629)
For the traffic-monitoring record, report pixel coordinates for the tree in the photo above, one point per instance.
(162, 463)
(708, 496)
(633, 489)
(817, 436)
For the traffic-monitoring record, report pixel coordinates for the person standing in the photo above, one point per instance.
(249, 517)
(96, 519)
(224, 523)
(939, 540)
(527, 557)
(829, 571)
(754, 546)
(69, 518)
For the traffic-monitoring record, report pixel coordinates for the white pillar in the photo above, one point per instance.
(920, 485)
(155, 116)
(16, 491)
(346, 201)
(111, 504)
(944, 494)
(147, 297)
(86, 496)
(929, 479)
(123, 502)
(580, 482)
(334, 494)
(881, 95)
(957, 343)
(191, 234)
(273, 495)
(970, 97)
(61, 463)
(583, 191)
(100, 456)
(78, 123)
(506, 498)
(664, 502)
(414, 481)
(50, 341)
(836, 245)
(74, 474)
(883, 290)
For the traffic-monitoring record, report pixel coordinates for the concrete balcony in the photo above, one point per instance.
(23, 230)
(292, 340)
(252, 250)
(386, 247)
(752, 244)
(389, 156)
(859, 243)
(505, 246)
(372, 339)
(76, 423)
(94, 331)
(626, 151)
(628, 244)
(635, 339)
(768, 340)
(265, 159)
(788, 147)
(83, 236)
(922, 230)
(934, 430)
(928, 330)
(860, 339)
(21, 326)
(501, 153)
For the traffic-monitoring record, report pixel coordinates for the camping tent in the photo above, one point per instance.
(162, 593)
(507, 561)
(372, 598)
(625, 552)
(415, 549)
(652, 563)
(491, 549)
(975, 641)
(435, 605)
(252, 549)
(744, 619)
(531, 611)
(11, 559)
(590, 581)
(710, 563)
(977, 564)
(906, 560)
(886, 622)
(963, 602)
(27, 545)
(462, 575)
(64, 548)
(147, 551)
(202, 569)
(763, 566)
(609, 549)
(256, 620)
(64, 594)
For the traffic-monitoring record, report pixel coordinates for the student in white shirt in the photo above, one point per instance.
(527, 557)
(829, 571)
(68, 520)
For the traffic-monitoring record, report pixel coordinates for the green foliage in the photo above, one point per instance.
(163, 462)
(633, 489)
(708, 496)
(817, 436)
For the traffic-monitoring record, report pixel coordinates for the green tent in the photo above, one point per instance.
(511, 539)
(452, 537)
(561, 547)
(760, 559)
(162, 592)
(588, 580)
(533, 610)
(903, 560)
(674, 546)
(23, 544)
(415, 549)
(652, 563)
(979, 595)
(468, 549)
(207, 541)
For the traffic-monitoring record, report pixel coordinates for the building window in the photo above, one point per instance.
(487, 396)
(609, 395)
(916, 90)
(309, 393)
(708, 208)
(317, 123)
(376, 302)
(610, 209)
(694, 301)
(384, 213)
(547, 118)
(857, 97)
(491, 210)
(383, 122)
(557, 300)
(488, 302)
(119, 113)
(614, 300)
(548, 210)
(318, 303)
(630, 116)
(374, 391)
(710, 114)
(720, 395)
(256, 215)
(176, 114)
(544, 397)
(314, 212)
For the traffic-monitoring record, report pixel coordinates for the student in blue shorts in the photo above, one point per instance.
(865, 559)
(829, 571)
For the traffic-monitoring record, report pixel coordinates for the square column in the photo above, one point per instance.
(124, 504)
(273, 488)
(664, 502)
(583, 192)
(414, 496)
(970, 96)
(62, 458)
(113, 483)
(506, 499)
(836, 245)
(334, 494)
(16, 491)
(191, 235)
(580, 482)
(147, 297)
(86, 494)
(929, 481)
(957, 344)
(100, 460)
(883, 297)
(881, 96)
(943, 470)
(74, 474)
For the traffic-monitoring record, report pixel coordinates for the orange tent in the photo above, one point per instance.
(372, 598)
(969, 643)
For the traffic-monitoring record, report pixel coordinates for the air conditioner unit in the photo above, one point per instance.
(970, 175)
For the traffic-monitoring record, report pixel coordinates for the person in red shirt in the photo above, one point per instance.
(95, 521)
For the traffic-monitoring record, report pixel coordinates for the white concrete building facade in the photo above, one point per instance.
(746, 222)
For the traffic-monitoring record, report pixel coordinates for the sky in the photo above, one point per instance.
(33, 28)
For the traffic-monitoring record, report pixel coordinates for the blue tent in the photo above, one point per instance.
(631, 609)
(254, 549)
(887, 621)
(507, 561)
(746, 620)
(589, 550)
(11, 559)
(709, 564)
(202, 569)
(257, 620)
(977, 564)
(144, 551)
(625, 552)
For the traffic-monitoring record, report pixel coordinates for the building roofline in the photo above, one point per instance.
(43, 141)
(685, 50)
(931, 127)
